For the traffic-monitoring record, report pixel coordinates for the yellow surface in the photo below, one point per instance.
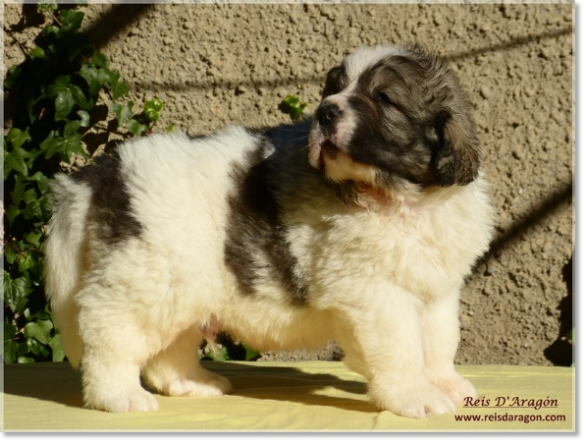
(281, 396)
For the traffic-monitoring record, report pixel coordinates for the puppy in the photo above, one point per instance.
(358, 226)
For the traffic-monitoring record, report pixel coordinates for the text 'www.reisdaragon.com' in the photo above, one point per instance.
(507, 417)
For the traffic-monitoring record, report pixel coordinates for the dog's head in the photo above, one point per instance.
(392, 116)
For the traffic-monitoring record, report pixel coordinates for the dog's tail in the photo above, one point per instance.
(64, 260)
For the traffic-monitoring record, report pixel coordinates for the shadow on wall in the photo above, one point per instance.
(560, 352)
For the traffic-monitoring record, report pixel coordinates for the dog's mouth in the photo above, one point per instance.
(321, 146)
(329, 148)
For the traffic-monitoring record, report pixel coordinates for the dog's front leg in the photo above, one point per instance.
(440, 327)
(382, 340)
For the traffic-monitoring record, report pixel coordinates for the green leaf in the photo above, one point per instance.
(10, 349)
(32, 210)
(26, 261)
(251, 354)
(85, 118)
(45, 144)
(12, 213)
(55, 344)
(53, 146)
(33, 113)
(37, 52)
(29, 195)
(50, 29)
(119, 89)
(70, 129)
(47, 5)
(16, 160)
(60, 84)
(34, 238)
(9, 330)
(170, 128)
(10, 254)
(155, 104)
(151, 115)
(12, 76)
(293, 106)
(16, 194)
(100, 60)
(95, 78)
(36, 348)
(71, 145)
(17, 138)
(80, 99)
(136, 128)
(25, 360)
(42, 181)
(218, 354)
(71, 19)
(63, 105)
(16, 292)
(123, 112)
(40, 330)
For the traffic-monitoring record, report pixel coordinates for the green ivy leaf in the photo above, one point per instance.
(17, 138)
(11, 213)
(10, 254)
(63, 105)
(40, 331)
(80, 99)
(218, 354)
(123, 112)
(70, 19)
(10, 349)
(251, 354)
(60, 84)
(95, 78)
(25, 360)
(42, 181)
(70, 129)
(119, 89)
(16, 292)
(50, 30)
(16, 194)
(16, 160)
(9, 330)
(136, 128)
(12, 76)
(37, 52)
(52, 146)
(26, 261)
(100, 60)
(32, 210)
(34, 238)
(155, 104)
(85, 118)
(293, 106)
(55, 344)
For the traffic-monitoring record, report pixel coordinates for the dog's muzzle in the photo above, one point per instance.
(327, 115)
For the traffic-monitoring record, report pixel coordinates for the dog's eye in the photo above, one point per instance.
(384, 98)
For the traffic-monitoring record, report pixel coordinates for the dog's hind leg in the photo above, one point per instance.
(176, 371)
(115, 348)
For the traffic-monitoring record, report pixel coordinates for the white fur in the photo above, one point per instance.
(384, 284)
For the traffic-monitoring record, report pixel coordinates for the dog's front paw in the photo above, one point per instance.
(414, 400)
(212, 386)
(455, 386)
(135, 400)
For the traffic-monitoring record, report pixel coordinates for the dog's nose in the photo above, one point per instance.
(326, 114)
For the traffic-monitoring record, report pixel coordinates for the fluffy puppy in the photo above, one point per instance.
(358, 226)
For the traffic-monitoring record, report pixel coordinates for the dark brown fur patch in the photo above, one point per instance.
(256, 230)
(110, 208)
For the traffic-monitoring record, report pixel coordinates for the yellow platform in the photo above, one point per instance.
(323, 396)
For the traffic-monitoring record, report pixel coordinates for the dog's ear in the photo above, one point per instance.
(335, 81)
(457, 159)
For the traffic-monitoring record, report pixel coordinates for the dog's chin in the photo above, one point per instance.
(340, 168)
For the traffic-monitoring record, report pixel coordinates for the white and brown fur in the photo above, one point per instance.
(358, 227)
